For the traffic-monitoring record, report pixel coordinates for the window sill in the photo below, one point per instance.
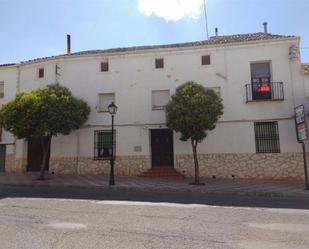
(158, 108)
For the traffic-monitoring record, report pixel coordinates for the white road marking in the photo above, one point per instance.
(66, 225)
(284, 227)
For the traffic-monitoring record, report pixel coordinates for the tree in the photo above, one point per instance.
(193, 111)
(44, 112)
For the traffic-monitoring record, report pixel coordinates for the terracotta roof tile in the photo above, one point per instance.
(8, 64)
(214, 40)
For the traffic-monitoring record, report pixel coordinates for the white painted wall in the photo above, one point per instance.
(9, 76)
(132, 77)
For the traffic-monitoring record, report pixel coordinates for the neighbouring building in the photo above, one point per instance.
(259, 76)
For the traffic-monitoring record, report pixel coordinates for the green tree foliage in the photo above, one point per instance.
(44, 112)
(193, 111)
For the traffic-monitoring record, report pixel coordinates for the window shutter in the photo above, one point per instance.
(160, 99)
(259, 70)
(105, 99)
(41, 72)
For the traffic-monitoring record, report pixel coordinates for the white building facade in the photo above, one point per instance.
(259, 77)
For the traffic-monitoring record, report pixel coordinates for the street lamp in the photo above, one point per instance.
(112, 109)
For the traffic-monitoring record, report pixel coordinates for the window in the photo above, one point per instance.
(104, 66)
(41, 72)
(103, 144)
(1, 89)
(159, 63)
(159, 99)
(105, 99)
(267, 137)
(206, 60)
(260, 80)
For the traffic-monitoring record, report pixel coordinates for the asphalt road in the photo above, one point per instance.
(93, 218)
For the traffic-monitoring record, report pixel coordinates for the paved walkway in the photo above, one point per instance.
(212, 186)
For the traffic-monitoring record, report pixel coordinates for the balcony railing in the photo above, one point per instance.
(272, 91)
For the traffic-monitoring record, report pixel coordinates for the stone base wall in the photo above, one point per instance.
(124, 165)
(259, 166)
(15, 165)
(10, 163)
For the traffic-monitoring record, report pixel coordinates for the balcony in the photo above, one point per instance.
(271, 91)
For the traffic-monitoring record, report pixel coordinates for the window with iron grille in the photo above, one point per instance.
(205, 59)
(104, 66)
(103, 144)
(159, 63)
(267, 137)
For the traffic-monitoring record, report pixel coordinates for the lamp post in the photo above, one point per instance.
(112, 109)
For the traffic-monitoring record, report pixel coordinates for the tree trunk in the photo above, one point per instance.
(196, 166)
(45, 156)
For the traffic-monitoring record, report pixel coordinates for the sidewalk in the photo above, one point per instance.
(212, 186)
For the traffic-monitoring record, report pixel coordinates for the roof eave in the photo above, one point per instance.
(159, 49)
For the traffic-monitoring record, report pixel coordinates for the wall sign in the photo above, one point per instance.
(300, 122)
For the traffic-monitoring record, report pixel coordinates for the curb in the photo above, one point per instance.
(166, 189)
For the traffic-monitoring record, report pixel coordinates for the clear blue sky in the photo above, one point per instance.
(38, 28)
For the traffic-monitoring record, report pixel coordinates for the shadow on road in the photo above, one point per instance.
(152, 196)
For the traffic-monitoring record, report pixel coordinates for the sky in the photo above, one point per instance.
(38, 28)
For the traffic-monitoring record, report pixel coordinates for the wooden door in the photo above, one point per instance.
(162, 147)
(35, 154)
(2, 157)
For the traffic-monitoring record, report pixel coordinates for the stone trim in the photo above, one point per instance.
(124, 165)
(274, 166)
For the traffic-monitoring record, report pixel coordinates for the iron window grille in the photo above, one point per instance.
(103, 144)
(205, 59)
(104, 66)
(159, 63)
(267, 137)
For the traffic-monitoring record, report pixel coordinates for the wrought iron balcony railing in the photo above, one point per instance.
(272, 91)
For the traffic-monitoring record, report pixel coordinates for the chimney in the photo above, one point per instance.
(265, 27)
(68, 44)
(216, 31)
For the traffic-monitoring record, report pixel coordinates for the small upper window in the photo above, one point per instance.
(41, 72)
(205, 59)
(159, 63)
(104, 66)
(1, 89)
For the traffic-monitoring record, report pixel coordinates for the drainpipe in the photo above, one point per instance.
(15, 139)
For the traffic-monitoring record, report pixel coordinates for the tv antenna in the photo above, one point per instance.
(206, 22)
